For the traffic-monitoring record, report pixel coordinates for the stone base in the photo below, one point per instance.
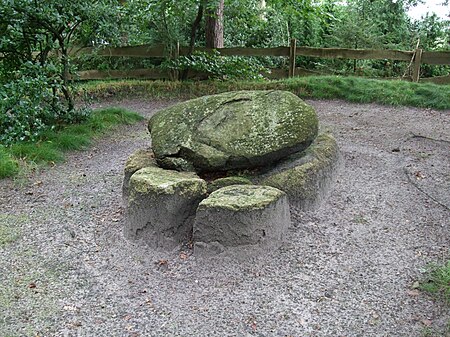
(241, 215)
(306, 177)
(138, 160)
(161, 206)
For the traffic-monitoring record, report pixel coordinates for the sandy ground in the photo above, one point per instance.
(348, 269)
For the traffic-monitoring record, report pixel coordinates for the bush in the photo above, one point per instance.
(218, 67)
(29, 104)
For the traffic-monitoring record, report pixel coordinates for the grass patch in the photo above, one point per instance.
(437, 281)
(353, 89)
(8, 165)
(53, 143)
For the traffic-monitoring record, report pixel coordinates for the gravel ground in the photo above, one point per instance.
(348, 269)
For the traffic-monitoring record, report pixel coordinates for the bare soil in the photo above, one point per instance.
(348, 269)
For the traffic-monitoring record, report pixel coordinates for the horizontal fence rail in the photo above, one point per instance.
(415, 57)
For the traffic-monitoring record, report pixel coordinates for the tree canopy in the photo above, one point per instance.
(36, 69)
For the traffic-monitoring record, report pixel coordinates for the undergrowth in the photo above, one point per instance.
(52, 144)
(353, 89)
(437, 281)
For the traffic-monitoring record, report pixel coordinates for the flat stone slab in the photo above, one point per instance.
(233, 130)
(161, 206)
(241, 215)
(306, 177)
(227, 181)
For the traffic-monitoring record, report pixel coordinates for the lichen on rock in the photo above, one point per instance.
(138, 160)
(161, 181)
(161, 206)
(241, 215)
(242, 129)
(227, 181)
(240, 197)
(306, 177)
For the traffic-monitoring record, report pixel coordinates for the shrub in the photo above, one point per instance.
(217, 66)
(29, 107)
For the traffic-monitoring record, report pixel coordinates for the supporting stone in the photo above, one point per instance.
(241, 215)
(138, 160)
(161, 206)
(306, 177)
(227, 181)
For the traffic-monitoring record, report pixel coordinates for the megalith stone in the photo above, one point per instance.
(138, 160)
(306, 177)
(161, 206)
(242, 129)
(227, 181)
(241, 215)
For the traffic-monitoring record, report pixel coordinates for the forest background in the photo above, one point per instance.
(37, 69)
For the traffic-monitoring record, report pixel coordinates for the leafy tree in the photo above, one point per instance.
(35, 41)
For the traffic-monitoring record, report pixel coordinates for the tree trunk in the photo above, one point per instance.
(194, 28)
(65, 75)
(214, 25)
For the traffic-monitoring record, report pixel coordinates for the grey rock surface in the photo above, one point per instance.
(241, 129)
(161, 206)
(138, 160)
(307, 177)
(241, 215)
(227, 181)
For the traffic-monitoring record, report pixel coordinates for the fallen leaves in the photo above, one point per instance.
(162, 262)
(419, 175)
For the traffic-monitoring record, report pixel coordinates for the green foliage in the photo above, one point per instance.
(8, 165)
(438, 281)
(26, 103)
(218, 67)
(35, 92)
(30, 107)
(52, 143)
(40, 152)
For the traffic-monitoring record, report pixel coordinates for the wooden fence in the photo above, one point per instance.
(415, 59)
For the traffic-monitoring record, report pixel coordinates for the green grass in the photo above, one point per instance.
(353, 89)
(438, 281)
(54, 143)
(8, 165)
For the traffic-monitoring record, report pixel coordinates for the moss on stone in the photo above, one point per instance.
(240, 129)
(302, 177)
(242, 197)
(227, 181)
(161, 181)
(140, 159)
(176, 163)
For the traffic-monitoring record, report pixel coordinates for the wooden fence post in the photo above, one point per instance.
(175, 74)
(416, 65)
(292, 54)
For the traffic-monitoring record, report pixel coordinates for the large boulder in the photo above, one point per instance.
(161, 206)
(242, 129)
